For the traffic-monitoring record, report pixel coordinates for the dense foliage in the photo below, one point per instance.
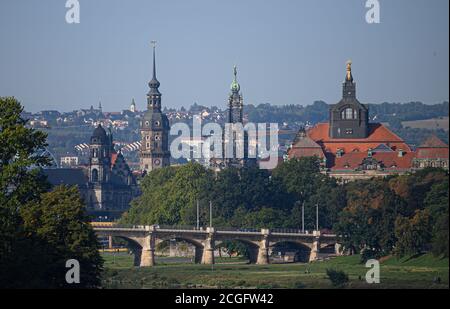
(399, 215)
(39, 230)
(249, 197)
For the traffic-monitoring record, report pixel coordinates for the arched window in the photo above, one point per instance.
(94, 175)
(349, 113)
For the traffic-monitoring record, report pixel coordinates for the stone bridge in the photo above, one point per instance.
(144, 239)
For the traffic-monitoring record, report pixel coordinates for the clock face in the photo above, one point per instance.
(157, 162)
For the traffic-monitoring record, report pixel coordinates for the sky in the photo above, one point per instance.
(287, 51)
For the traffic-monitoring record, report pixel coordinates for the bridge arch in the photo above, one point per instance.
(251, 246)
(198, 245)
(298, 251)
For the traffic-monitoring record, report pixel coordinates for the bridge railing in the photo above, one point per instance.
(290, 231)
(235, 229)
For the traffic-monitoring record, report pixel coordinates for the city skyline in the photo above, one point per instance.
(287, 53)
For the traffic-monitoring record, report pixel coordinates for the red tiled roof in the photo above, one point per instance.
(432, 153)
(432, 148)
(378, 134)
(305, 147)
(390, 160)
(433, 142)
(305, 152)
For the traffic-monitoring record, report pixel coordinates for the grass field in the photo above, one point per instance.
(432, 124)
(417, 272)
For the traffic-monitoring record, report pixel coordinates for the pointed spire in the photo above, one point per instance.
(154, 59)
(154, 83)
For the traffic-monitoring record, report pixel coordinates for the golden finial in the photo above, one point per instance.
(349, 70)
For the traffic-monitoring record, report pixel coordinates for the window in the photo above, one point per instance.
(349, 113)
(94, 175)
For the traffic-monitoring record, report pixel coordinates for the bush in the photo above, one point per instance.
(298, 285)
(338, 278)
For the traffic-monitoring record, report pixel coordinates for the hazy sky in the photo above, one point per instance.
(287, 51)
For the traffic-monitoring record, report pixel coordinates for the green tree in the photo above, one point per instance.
(367, 222)
(33, 249)
(169, 196)
(436, 202)
(19, 184)
(413, 234)
(58, 223)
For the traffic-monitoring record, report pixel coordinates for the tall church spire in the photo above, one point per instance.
(154, 83)
(154, 60)
(154, 96)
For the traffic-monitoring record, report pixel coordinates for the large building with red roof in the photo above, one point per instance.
(350, 147)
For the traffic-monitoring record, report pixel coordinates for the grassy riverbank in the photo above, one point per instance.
(415, 272)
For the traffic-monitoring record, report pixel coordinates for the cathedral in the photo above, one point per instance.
(235, 116)
(350, 147)
(154, 127)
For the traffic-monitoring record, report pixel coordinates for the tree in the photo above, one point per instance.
(413, 234)
(367, 222)
(437, 202)
(169, 196)
(19, 184)
(300, 182)
(58, 223)
(33, 248)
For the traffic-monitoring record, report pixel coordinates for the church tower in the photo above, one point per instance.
(101, 148)
(235, 102)
(154, 152)
(349, 119)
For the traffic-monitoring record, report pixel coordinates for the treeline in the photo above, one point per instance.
(402, 214)
(319, 112)
(40, 229)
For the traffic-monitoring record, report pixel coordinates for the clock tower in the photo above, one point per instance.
(154, 152)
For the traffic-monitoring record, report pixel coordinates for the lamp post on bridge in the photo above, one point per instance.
(210, 214)
(303, 217)
(317, 216)
(198, 216)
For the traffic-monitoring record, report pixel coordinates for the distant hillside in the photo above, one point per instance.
(318, 112)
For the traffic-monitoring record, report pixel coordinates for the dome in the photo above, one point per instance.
(99, 134)
(235, 86)
(154, 83)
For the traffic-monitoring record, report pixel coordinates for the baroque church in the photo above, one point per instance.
(350, 147)
(107, 185)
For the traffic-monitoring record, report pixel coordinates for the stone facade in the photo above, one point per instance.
(111, 185)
